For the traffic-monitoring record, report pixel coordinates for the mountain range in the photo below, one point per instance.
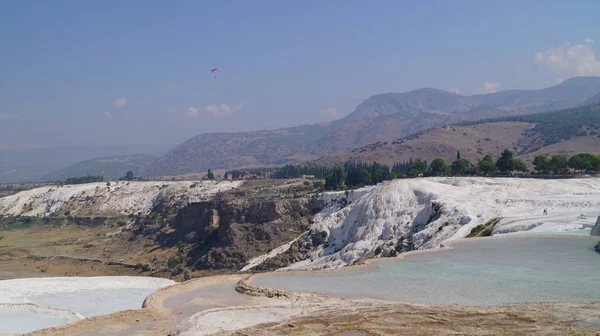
(33, 164)
(378, 119)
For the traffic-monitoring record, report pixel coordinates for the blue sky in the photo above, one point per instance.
(138, 72)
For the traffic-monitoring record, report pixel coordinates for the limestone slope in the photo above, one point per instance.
(103, 199)
(425, 213)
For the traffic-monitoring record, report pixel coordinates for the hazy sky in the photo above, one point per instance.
(138, 72)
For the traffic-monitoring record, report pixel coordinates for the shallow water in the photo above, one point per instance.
(59, 308)
(96, 302)
(189, 303)
(480, 272)
(19, 322)
(578, 232)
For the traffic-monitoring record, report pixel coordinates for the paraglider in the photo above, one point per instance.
(215, 70)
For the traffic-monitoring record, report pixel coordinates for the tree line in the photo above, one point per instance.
(353, 174)
(90, 178)
(84, 179)
(359, 174)
(558, 164)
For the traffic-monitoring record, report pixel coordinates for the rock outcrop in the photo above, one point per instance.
(226, 232)
(596, 229)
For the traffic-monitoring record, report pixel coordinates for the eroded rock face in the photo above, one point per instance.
(226, 234)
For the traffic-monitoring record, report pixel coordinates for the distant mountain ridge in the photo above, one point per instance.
(379, 118)
(456, 107)
(111, 167)
(32, 164)
(231, 150)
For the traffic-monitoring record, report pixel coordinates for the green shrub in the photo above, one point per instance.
(16, 223)
(476, 230)
(486, 232)
(318, 185)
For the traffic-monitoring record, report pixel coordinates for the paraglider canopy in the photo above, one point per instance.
(215, 70)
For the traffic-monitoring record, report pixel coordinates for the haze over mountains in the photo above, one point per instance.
(111, 167)
(380, 118)
(32, 164)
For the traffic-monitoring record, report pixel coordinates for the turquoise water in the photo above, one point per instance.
(96, 302)
(578, 232)
(480, 272)
(87, 303)
(20, 322)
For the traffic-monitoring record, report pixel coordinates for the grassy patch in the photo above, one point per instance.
(476, 230)
(483, 230)
(16, 223)
(486, 232)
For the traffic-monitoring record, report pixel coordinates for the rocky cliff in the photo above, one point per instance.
(226, 232)
(174, 229)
